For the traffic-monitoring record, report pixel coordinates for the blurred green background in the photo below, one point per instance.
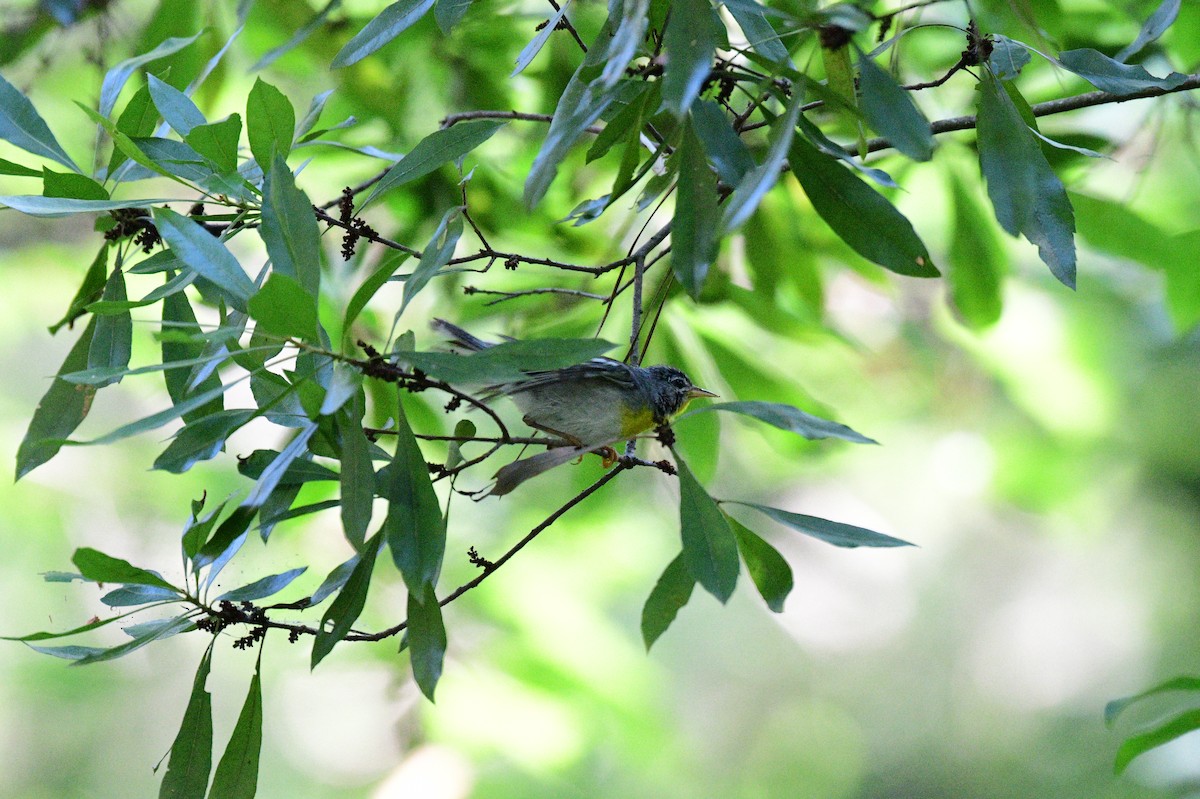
(1047, 467)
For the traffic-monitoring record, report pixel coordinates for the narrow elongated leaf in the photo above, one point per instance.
(628, 37)
(148, 634)
(976, 264)
(891, 111)
(101, 568)
(722, 145)
(22, 126)
(68, 184)
(62, 408)
(274, 473)
(1117, 706)
(859, 215)
(836, 533)
(760, 35)
(177, 316)
(709, 546)
(263, 587)
(758, 181)
(37, 205)
(202, 253)
(283, 309)
(530, 50)
(270, 124)
(365, 292)
(694, 229)
(349, 603)
(137, 120)
(1028, 197)
(191, 753)
(89, 290)
(357, 477)
(771, 574)
(415, 528)
(177, 108)
(157, 420)
(1169, 730)
(112, 344)
(785, 417)
(689, 43)
(1008, 57)
(70, 652)
(386, 25)
(1154, 27)
(115, 78)
(236, 776)
(1110, 75)
(670, 594)
(83, 628)
(128, 595)
(437, 253)
(303, 32)
(438, 148)
(426, 638)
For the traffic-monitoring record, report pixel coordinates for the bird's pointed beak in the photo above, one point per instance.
(696, 391)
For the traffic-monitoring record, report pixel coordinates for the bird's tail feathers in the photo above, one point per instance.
(459, 337)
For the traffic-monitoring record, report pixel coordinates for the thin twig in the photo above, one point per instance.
(451, 120)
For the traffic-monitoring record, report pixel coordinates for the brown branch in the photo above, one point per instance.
(1050, 107)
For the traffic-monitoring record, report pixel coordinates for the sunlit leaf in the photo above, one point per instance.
(101, 568)
(414, 527)
(530, 50)
(22, 126)
(270, 124)
(771, 574)
(177, 108)
(976, 262)
(689, 42)
(128, 595)
(197, 248)
(438, 148)
(37, 205)
(112, 344)
(283, 309)
(670, 594)
(115, 78)
(218, 141)
(386, 26)
(71, 185)
(1160, 734)
(1117, 706)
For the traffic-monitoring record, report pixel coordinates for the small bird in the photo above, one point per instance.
(593, 403)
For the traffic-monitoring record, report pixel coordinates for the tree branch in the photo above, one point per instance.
(1053, 107)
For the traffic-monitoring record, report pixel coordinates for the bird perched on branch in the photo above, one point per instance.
(594, 403)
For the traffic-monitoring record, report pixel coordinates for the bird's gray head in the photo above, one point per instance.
(670, 391)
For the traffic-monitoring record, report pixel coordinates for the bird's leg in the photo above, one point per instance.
(607, 454)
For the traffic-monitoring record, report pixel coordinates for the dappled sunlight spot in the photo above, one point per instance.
(429, 772)
(1030, 351)
(862, 310)
(1066, 635)
(485, 711)
(341, 724)
(962, 464)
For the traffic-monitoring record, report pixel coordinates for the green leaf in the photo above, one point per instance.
(112, 344)
(448, 13)
(438, 148)
(1162, 18)
(626, 40)
(200, 252)
(177, 108)
(794, 420)
(415, 528)
(771, 574)
(976, 263)
(859, 215)
(22, 126)
(690, 41)
(437, 253)
(236, 776)
(465, 428)
(891, 111)
(191, 753)
(274, 473)
(709, 546)
(1117, 706)
(101, 568)
(1027, 196)
(364, 293)
(62, 408)
(722, 145)
(751, 18)
(148, 634)
(71, 652)
(136, 121)
(386, 25)
(178, 317)
(51, 207)
(349, 603)
(11, 168)
(263, 587)
(270, 124)
(68, 184)
(89, 290)
(128, 595)
(694, 229)
(836, 533)
(115, 78)
(530, 50)
(283, 309)
(758, 181)
(218, 141)
(357, 477)
(426, 638)
(1109, 75)
(507, 361)
(1168, 731)
(1008, 57)
(670, 594)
